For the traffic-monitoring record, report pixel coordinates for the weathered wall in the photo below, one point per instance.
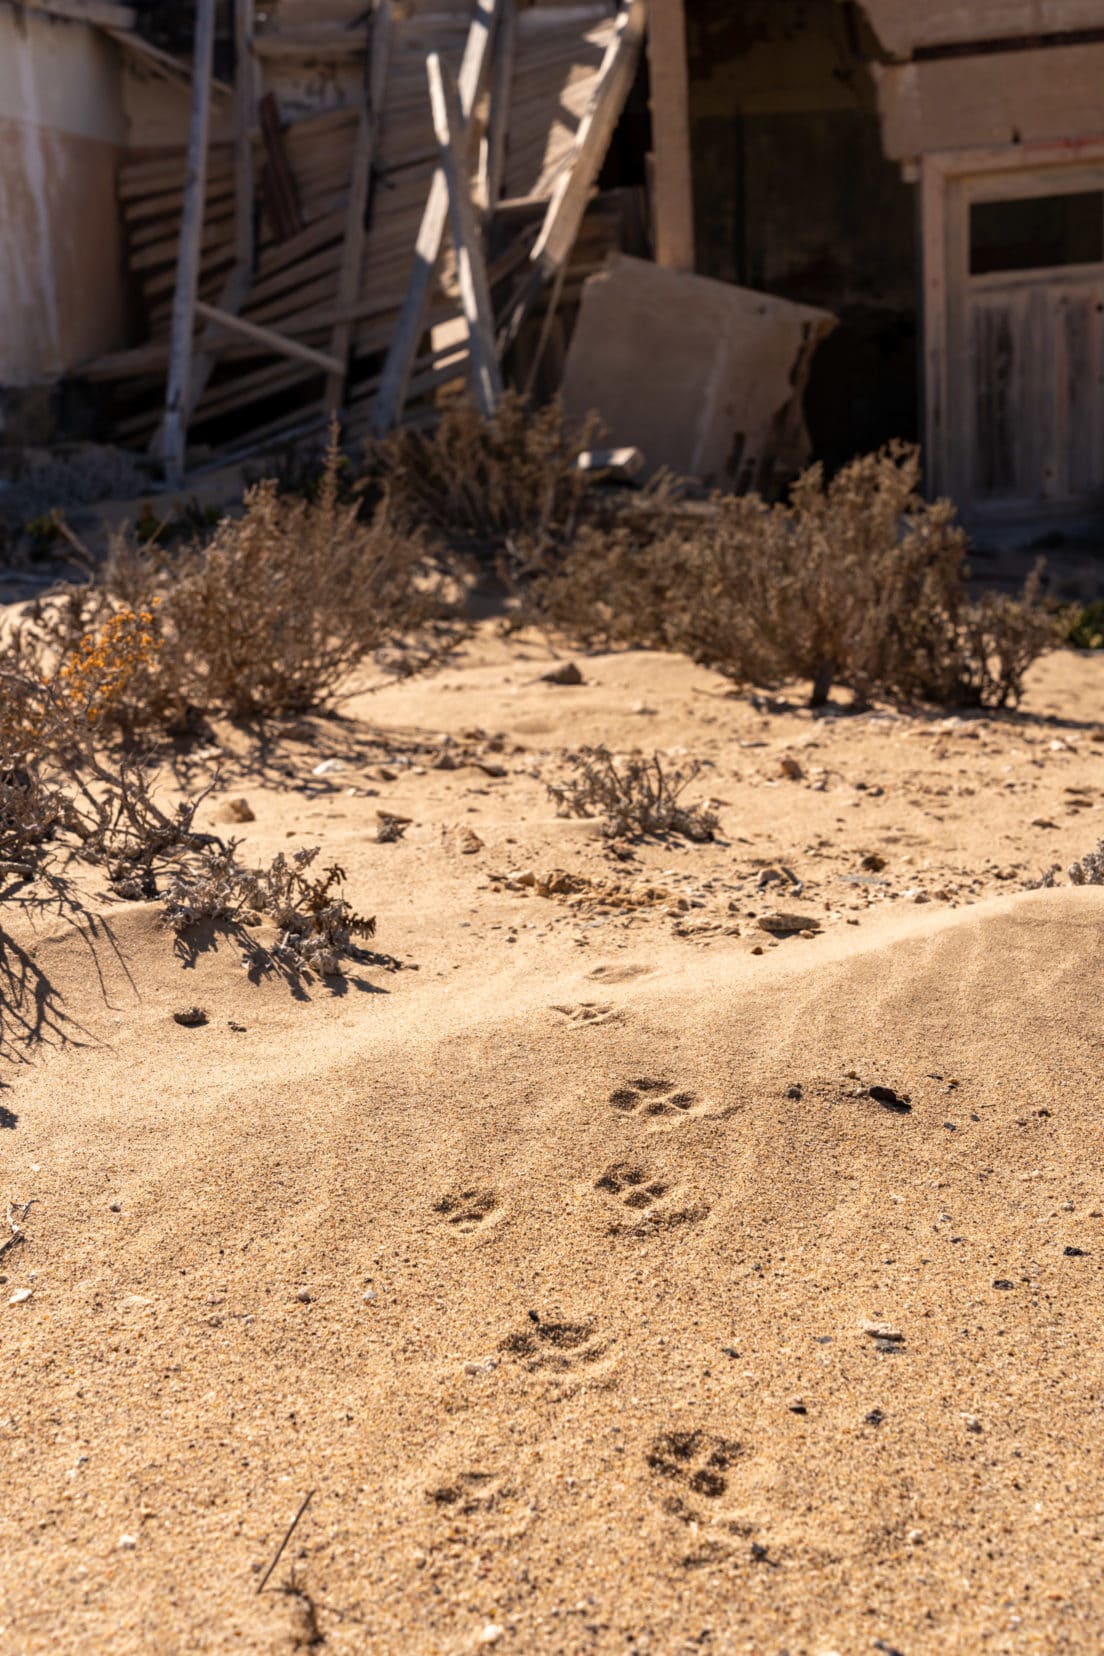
(1052, 94)
(61, 133)
(906, 26)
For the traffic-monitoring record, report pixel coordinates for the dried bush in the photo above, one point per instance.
(59, 785)
(507, 491)
(1090, 869)
(315, 925)
(634, 795)
(1085, 626)
(268, 618)
(857, 582)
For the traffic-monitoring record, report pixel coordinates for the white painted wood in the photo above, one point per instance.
(178, 391)
(276, 342)
(352, 258)
(450, 126)
(391, 397)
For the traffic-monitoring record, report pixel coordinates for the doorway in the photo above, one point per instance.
(1013, 251)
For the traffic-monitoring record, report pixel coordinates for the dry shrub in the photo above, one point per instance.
(315, 924)
(268, 618)
(1089, 870)
(858, 582)
(60, 786)
(506, 490)
(634, 795)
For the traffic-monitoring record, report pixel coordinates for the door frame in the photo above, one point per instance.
(939, 171)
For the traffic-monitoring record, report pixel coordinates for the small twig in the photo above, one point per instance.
(15, 1225)
(280, 1549)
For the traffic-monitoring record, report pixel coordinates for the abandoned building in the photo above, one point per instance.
(745, 231)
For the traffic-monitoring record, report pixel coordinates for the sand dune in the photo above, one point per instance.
(556, 1270)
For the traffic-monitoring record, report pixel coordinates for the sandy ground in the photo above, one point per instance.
(555, 1267)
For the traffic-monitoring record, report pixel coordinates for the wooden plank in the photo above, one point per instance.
(903, 27)
(571, 194)
(277, 343)
(103, 14)
(492, 158)
(475, 293)
(673, 193)
(323, 44)
(173, 435)
(163, 63)
(396, 372)
(277, 180)
(1006, 98)
(156, 255)
(569, 201)
(352, 260)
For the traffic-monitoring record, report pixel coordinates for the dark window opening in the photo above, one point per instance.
(1036, 232)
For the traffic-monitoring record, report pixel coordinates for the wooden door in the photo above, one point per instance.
(1023, 421)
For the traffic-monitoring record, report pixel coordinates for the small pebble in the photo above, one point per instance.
(127, 1543)
(881, 1331)
(20, 1296)
(304, 1296)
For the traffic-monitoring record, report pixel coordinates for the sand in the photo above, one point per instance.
(556, 1267)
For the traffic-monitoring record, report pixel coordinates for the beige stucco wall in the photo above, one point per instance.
(62, 130)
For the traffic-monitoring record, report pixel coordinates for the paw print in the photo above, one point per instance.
(649, 1097)
(468, 1210)
(694, 1460)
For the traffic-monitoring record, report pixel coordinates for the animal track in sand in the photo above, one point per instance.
(618, 974)
(591, 1012)
(651, 1097)
(695, 1463)
(559, 1346)
(469, 1493)
(468, 1210)
(695, 1460)
(633, 1188)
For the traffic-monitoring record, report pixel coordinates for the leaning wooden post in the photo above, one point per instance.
(475, 290)
(352, 252)
(177, 395)
(395, 378)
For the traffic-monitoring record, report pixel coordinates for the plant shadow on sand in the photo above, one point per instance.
(208, 936)
(32, 1015)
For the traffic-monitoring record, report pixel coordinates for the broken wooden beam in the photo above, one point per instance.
(569, 200)
(411, 324)
(475, 292)
(267, 336)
